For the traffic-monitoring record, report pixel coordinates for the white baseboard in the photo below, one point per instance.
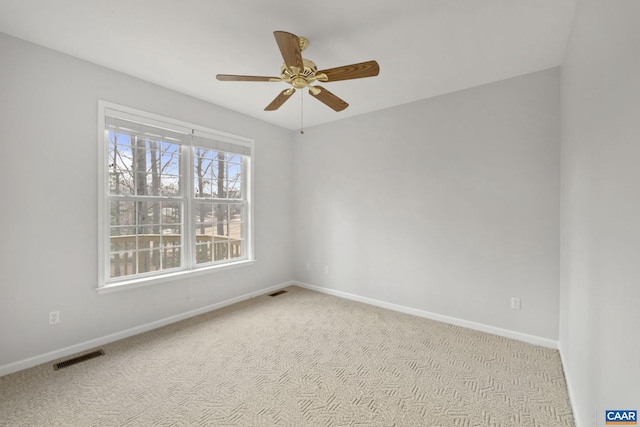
(87, 345)
(531, 339)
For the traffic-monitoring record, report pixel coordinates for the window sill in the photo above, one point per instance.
(138, 283)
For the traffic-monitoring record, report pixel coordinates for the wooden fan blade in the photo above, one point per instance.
(234, 78)
(329, 99)
(353, 71)
(289, 48)
(280, 99)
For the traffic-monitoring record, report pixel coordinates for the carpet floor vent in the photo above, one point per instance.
(78, 359)
(275, 294)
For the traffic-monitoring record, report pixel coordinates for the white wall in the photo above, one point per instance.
(448, 205)
(48, 219)
(600, 280)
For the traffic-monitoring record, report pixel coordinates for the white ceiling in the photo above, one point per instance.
(424, 47)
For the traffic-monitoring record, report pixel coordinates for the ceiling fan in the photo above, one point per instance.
(300, 73)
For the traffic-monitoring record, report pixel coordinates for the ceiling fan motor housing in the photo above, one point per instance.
(299, 79)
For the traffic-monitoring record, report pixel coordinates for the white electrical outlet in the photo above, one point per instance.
(307, 266)
(515, 303)
(326, 269)
(54, 317)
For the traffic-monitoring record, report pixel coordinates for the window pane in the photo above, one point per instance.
(203, 217)
(149, 213)
(122, 213)
(235, 237)
(219, 189)
(203, 187)
(235, 248)
(234, 171)
(154, 166)
(204, 249)
(228, 231)
(122, 239)
(171, 233)
(119, 164)
(149, 234)
(163, 176)
(234, 189)
(234, 158)
(148, 260)
(139, 166)
(170, 185)
(220, 248)
(221, 217)
(171, 214)
(144, 237)
(122, 264)
(170, 154)
(219, 232)
(122, 231)
(202, 172)
(236, 222)
(204, 232)
(226, 248)
(171, 257)
(217, 174)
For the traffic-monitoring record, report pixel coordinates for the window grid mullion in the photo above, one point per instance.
(245, 209)
(189, 232)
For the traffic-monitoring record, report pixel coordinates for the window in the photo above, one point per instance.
(174, 198)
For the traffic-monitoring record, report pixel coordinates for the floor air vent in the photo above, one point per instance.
(275, 294)
(78, 359)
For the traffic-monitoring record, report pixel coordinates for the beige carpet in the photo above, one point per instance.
(299, 359)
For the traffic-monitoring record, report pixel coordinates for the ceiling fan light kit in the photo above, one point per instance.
(301, 73)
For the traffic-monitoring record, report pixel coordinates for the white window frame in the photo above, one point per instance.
(188, 266)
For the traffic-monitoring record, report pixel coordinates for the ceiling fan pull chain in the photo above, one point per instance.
(301, 113)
